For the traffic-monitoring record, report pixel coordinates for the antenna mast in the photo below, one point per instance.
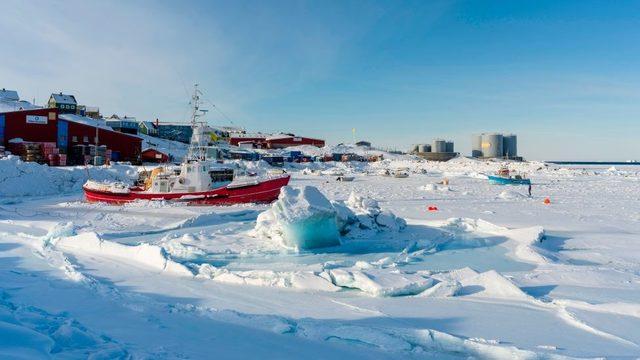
(195, 103)
(197, 146)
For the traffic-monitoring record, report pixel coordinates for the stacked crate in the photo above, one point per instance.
(32, 152)
(90, 155)
(51, 153)
(40, 152)
(98, 153)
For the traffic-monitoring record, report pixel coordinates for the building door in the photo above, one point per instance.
(63, 134)
(1, 130)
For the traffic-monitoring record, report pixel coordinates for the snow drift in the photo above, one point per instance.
(380, 282)
(299, 280)
(149, 256)
(18, 178)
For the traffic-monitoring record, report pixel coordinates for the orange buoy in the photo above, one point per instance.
(547, 201)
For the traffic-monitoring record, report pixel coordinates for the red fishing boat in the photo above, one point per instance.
(198, 180)
(236, 192)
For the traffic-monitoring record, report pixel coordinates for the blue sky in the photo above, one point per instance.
(563, 75)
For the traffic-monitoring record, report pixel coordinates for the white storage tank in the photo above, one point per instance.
(476, 145)
(492, 145)
(449, 146)
(439, 146)
(510, 146)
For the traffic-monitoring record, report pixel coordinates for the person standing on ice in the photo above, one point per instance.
(529, 190)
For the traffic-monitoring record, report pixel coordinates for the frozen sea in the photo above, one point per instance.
(492, 274)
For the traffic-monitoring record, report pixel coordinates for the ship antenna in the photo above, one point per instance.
(196, 150)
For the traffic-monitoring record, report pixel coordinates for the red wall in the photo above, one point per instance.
(236, 140)
(149, 155)
(129, 146)
(286, 142)
(16, 126)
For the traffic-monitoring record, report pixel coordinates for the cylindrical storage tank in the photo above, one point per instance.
(424, 148)
(476, 145)
(439, 146)
(510, 146)
(492, 145)
(449, 146)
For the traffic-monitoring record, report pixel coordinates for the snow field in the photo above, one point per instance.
(486, 276)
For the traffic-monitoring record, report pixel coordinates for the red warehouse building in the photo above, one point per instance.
(67, 130)
(275, 141)
(283, 141)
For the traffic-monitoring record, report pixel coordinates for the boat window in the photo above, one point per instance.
(164, 186)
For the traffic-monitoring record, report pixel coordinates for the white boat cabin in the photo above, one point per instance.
(192, 176)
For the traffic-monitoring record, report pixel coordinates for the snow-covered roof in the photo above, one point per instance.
(85, 120)
(279, 137)
(10, 95)
(249, 135)
(148, 124)
(174, 124)
(231, 129)
(61, 98)
(9, 106)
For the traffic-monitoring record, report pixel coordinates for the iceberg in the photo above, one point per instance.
(301, 219)
(305, 219)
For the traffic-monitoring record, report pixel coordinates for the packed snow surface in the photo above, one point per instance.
(359, 269)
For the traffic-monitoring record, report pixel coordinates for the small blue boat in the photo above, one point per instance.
(508, 180)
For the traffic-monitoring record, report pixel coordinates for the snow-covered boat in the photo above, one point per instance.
(198, 180)
(505, 177)
(401, 173)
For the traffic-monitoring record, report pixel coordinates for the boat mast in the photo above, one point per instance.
(196, 149)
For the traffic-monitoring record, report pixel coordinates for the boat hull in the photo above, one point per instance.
(498, 180)
(262, 192)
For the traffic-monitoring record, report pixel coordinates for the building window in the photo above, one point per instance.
(74, 139)
(85, 139)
